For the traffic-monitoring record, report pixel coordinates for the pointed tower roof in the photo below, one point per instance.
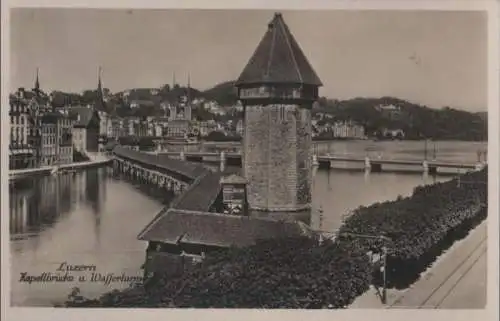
(100, 95)
(37, 83)
(99, 82)
(278, 59)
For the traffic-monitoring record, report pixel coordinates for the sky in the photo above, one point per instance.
(436, 58)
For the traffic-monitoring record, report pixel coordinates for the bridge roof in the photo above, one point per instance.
(201, 194)
(184, 168)
(177, 226)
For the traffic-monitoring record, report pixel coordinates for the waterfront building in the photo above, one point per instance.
(85, 129)
(177, 128)
(348, 129)
(57, 144)
(49, 138)
(65, 139)
(277, 89)
(116, 128)
(105, 124)
(25, 109)
(141, 128)
(21, 152)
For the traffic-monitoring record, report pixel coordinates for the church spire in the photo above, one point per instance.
(173, 80)
(189, 89)
(37, 82)
(99, 84)
(100, 95)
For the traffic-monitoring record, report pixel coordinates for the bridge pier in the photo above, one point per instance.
(315, 162)
(193, 158)
(234, 160)
(222, 161)
(368, 164)
(429, 169)
(375, 167)
(324, 164)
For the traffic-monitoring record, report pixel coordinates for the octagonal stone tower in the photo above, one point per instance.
(277, 89)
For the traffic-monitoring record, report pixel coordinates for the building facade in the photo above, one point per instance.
(348, 130)
(21, 151)
(65, 139)
(49, 139)
(177, 129)
(105, 124)
(57, 143)
(277, 91)
(86, 129)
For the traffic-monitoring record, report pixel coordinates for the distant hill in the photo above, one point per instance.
(416, 120)
(224, 93)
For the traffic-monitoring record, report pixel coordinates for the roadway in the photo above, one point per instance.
(457, 280)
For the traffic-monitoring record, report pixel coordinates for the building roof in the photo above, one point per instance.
(201, 194)
(278, 59)
(187, 169)
(190, 227)
(51, 117)
(85, 116)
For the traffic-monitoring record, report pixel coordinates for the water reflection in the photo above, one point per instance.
(82, 218)
(49, 199)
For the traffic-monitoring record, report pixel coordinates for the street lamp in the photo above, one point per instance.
(383, 257)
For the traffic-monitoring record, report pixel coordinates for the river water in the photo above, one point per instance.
(93, 219)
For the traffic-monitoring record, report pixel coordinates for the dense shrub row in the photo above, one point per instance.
(301, 273)
(422, 226)
(287, 273)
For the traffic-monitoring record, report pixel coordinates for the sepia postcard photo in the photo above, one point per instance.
(302, 158)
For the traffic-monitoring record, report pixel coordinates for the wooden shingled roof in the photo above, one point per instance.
(278, 59)
(177, 226)
(187, 169)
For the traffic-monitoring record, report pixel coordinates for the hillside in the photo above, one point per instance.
(417, 121)
(224, 93)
